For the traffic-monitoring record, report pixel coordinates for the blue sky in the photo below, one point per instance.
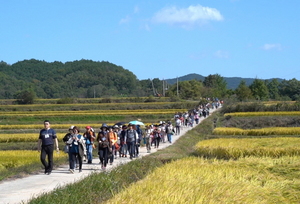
(158, 38)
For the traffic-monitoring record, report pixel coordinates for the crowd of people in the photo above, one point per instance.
(117, 141)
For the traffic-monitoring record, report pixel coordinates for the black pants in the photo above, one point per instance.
(74, 158)
(156, 142)
(47, 151)
(131, 148)
(112, 156)
(103, 156)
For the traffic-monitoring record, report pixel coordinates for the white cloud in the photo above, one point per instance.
(125, 20)
(272, 47)
(146, 27)
(136, 9)
(186, 17)
(221, 54)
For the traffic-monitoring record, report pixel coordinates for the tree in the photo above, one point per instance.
(217, 84)
(259, 90)
(273, 87)
(290, 88)
(187, 89)
(243, 92)
(25, 97)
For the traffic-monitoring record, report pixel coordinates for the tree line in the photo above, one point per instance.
(29, 79)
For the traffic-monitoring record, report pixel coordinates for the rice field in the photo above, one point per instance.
(235, 148)
(257, 132)
(265, 113)
(24, 137)
(17, 158)
(92, 112)
(196, 180)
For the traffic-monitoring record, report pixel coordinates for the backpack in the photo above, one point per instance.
(131, 137)
(170, 129)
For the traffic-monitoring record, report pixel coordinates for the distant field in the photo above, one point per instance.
(265, 113)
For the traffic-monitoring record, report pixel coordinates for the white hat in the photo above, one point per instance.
(71, 128)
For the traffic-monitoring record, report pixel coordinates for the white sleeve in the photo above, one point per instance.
(136, 135)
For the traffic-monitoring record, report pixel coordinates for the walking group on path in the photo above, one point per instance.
(115, 145)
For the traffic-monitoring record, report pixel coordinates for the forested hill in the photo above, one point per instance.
(84, 78)
(91, 79)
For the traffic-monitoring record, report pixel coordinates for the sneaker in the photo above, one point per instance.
(104, 168)
(111, 163)
(72, 171)
(80, 170)
(48, 173)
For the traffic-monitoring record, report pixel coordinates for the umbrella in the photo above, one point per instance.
(135, 122)
(120, 123)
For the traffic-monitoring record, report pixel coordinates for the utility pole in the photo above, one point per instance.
(177, 88)
(153, 87)
(163, 93)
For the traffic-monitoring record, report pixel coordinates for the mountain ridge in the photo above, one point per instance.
(232, 82)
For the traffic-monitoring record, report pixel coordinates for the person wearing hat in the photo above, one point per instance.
(89, 141)
(66, 139)
(104, 147)
(104, 129)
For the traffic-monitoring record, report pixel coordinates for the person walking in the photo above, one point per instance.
(147, 136)
(157, 137)
(113, 137)
(104, 146)
(169, 131)
(131, 138)
(47, 138)
(163, 131)
(138, 141)
(123, 148)
(68, 146)
(89, 141)
(177, 125)
(117, 130)
(77, 143)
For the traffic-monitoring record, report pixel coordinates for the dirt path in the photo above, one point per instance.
(23, 189)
